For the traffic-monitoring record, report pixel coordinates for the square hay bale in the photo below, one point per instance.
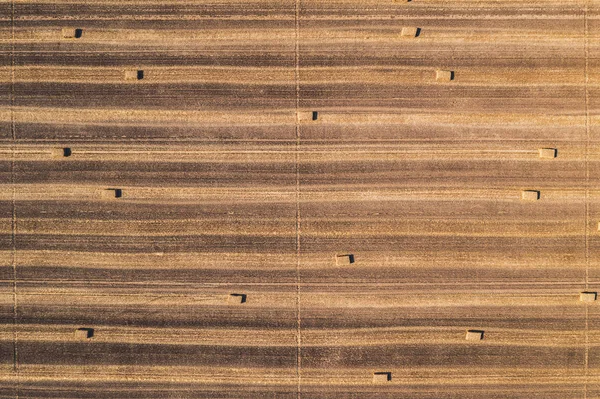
(61, 152)
(410, 31)
(444, 76)
(236, 299)
(72, 33)
(548, 153)
(134, 74)
(343, 260)
(84, 333)
(474, 335)
(309, 116)
(588, 296)
(382, 376)
(112, 193)
(530, 195)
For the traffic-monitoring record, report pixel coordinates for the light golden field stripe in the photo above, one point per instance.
(452, 335)
(465, 76)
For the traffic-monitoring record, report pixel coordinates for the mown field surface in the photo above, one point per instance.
(228, 186)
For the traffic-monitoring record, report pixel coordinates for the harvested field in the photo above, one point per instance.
(299, 199)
